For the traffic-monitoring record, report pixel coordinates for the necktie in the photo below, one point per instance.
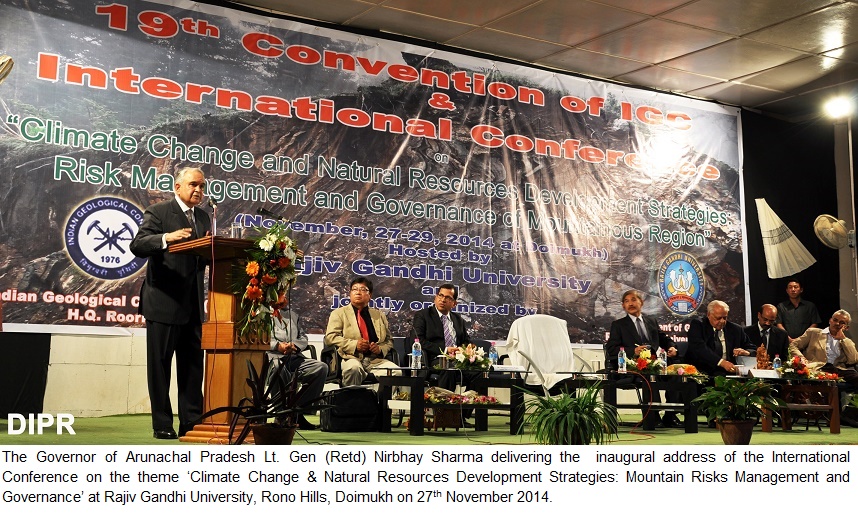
(720, 336)
(641, 331)
(190, 215)
(449, 336)
(765, 335)
(364, 332)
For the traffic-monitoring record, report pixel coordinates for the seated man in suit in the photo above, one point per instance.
(636, 332)
(765, 332)
(714, 342)
(439, 327)
(361, 335)
(288, 340)
(831, 347)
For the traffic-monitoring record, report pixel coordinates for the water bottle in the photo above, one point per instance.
(416, 355)
(621, 361)
(662, 357)
(776, 363)
(493, 354)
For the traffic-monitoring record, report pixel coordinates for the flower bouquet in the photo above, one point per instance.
(798, 367)
(683, 369)
(645, 363)
(442, 396)
(469, 357)
(264, 278)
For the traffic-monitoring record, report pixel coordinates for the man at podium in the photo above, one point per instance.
(172, 302)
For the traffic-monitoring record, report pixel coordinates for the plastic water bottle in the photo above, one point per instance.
(662, 357)
(621, 361)
(416, 355)
(493, 354)
(776, 363)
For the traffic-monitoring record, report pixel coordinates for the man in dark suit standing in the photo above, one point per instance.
(714, 342)
(636, 332)
(172, 302)
(765, 332)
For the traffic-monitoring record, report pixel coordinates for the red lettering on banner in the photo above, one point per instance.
(252, 43)
(48, 67)
(161, 88)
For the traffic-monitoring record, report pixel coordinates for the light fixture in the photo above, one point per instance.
(838, 107)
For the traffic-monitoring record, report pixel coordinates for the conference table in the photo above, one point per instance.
(416, 380)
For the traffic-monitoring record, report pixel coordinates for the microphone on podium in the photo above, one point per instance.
(267, 213)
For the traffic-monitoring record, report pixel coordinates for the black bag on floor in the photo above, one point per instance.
(354, 409)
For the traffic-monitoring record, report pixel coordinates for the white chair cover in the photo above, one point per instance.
(545, 340)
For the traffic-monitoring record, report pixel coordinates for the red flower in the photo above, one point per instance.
(283, 262)
(253, 293)
(268, 279)
(254, 281)
(642, 363)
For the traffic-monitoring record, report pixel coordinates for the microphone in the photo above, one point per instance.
(213, 203)
(267, 213)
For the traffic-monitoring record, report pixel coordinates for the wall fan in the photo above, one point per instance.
(6, 64)
(833, 233)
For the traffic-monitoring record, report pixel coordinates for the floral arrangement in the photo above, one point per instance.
(798, 368)
(441, 396)
(684, 369)
(267, 273)
(645, 363)
(469, 357)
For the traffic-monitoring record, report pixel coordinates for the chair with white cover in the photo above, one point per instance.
(540, 343)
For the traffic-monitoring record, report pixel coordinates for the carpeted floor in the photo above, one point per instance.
(136, 430)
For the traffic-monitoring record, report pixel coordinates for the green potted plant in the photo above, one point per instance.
(572, 419)
(736, 404)
(270, 411)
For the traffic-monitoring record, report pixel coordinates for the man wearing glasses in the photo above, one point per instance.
(765, 333)
(361, 335)
(439, 327)
(831, 347)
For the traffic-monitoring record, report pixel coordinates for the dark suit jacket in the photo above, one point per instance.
(624, 333)
(428, 328)
(778, 341)
(704, 352)
(173, 288)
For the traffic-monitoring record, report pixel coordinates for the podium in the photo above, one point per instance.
(226, 353)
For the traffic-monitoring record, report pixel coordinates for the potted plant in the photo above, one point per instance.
(270, 411)
(571, 419)
(736, 404)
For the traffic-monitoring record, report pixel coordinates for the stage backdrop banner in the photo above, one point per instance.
(534, 192)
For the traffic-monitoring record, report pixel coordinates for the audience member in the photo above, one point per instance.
(361, 335)
(764, 332)
(796, 315)
(714, 342)
(637, 332)
(288, 340)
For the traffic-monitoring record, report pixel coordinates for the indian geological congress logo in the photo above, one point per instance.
(98, 234)
(680, 283)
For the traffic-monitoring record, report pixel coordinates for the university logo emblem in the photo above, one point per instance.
(97, 236)
(680, 283)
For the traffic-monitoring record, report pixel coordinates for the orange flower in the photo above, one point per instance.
(268, 279)
(253, 293)
(254, 281)
(252, 268)
(283, 262)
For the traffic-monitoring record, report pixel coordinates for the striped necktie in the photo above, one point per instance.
(449, 335)
(189, 213)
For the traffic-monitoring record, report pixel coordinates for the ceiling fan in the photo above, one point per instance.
(6, 64)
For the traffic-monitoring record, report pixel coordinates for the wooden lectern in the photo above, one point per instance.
(226, 352)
